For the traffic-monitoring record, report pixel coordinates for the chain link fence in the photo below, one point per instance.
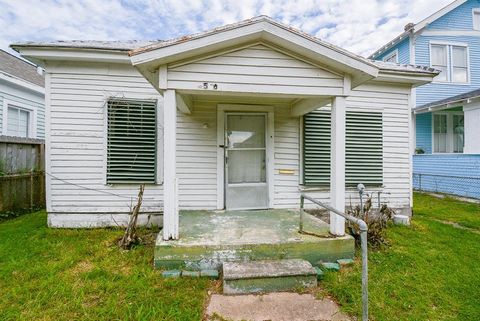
(455, 185)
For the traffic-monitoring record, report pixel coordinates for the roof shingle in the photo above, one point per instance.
(19, 68)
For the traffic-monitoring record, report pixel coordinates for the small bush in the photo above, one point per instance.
(377, 221)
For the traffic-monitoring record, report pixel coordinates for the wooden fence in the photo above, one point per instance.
(22, 191)
(21, 155)
(22, 176)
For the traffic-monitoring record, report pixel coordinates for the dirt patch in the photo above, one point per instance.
(125, 270)
(91, 301)
(82, 267)
(458, 198)
(456, 225)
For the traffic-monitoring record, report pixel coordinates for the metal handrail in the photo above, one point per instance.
(363, 240)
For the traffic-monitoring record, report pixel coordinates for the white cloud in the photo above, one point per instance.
(357, 25)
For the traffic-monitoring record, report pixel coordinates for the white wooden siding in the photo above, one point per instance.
(77, 144)
(255, 69)
(78, 135)
(197, 157)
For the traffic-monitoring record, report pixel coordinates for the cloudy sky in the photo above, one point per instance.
(357, 25)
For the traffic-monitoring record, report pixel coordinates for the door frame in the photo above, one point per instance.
(222, 109)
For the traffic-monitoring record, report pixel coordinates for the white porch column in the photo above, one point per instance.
(170, 201)
(337, 167)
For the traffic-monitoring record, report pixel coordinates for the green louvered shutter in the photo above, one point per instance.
(132, 140)
(316, 148)
(364, 148)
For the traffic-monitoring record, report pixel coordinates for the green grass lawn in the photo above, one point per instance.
(430, 272)
(53, 274)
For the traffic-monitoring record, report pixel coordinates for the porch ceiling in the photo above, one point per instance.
(299, 105)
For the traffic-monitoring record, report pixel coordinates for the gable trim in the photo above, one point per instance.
(270, 46)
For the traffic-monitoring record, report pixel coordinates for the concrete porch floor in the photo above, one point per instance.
(208, 238)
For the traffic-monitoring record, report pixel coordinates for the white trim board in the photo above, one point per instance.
(98, 220)
(270, 147)
(22, 83)
(475, 11)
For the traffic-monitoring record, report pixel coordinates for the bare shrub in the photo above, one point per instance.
(377, 221)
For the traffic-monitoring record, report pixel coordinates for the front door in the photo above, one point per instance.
(245, 161)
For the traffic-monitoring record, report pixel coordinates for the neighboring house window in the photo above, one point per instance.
(448, 132)
(452, 61)
(363, 153)
(392, 57)
(476, 19)
(18, 122)
(131, 141)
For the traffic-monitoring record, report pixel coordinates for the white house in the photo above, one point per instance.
(220, 120)
(22, 98)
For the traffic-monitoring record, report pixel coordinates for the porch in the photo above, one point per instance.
(209, 238)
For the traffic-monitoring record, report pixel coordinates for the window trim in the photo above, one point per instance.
(390, 55)
(475, 11)
(450, 135)
(32, 114)
(449, 46)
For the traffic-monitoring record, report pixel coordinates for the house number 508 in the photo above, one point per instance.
(212, 86)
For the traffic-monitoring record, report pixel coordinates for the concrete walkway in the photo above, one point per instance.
(281, 306)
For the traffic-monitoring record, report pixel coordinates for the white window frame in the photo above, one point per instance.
(32, 116)
(475, 11)
(449, 46)
(390, 55)
(450, 134)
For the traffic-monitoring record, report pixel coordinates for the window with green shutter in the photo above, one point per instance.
(364, 148)
(131, 141)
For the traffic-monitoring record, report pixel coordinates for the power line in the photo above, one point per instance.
(94, 189)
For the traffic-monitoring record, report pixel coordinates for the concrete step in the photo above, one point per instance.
(267, 276)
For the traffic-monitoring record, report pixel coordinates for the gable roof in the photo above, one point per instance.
(14, 66)
(258, 29)
(414, 28)
(251, 21)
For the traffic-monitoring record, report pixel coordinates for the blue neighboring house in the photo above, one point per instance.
(446, 113)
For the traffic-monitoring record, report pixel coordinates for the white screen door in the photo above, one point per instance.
(245, 161)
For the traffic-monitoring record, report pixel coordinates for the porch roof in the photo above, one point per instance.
(449, 102)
